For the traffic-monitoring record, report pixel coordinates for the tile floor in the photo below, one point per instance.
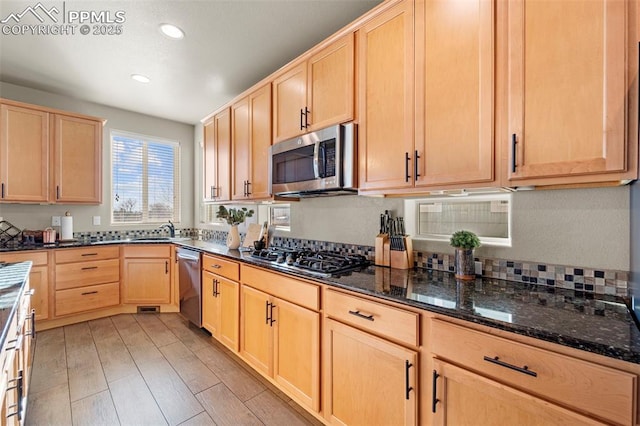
(148, 369)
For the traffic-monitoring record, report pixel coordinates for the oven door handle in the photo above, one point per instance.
(316, 160)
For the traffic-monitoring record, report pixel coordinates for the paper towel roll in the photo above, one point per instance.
(66, 228)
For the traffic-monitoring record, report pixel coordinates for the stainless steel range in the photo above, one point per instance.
(320, 263)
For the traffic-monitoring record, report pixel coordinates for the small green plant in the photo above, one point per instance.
(464, 240)
(233, 216)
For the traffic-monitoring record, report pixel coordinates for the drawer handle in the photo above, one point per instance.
(89, 292)
(89, 254)
(434, 399)
(407, 366)
(88, 268)
(30, 293)
(216, 266)
(359, 315)
(523, 370)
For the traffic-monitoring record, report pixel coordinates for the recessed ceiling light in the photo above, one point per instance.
(171, 31)
(140, 78)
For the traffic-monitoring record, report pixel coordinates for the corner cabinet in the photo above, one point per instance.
(251, 139)
(280, 332)
(315, 93)
(48, 155)
(221, 300)
(146, 274)
(577, 123)
(217, 157)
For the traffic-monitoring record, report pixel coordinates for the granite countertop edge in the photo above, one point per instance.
(16, 289)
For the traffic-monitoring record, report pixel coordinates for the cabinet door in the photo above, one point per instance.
(210, 308)
(229, 308)
(217, 157)
(297, 352)
(455, 92)
(24, 154)
(241, 148)
(567, 89)
(39, 282)
(147, 281)
(385, 99)
(256, 335)
(260, 113)
(466, 398)
(330, 86)
(77, 160)
(209, 165)
(366, 379)
(289, 102)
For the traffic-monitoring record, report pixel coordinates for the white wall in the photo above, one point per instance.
(31, 216)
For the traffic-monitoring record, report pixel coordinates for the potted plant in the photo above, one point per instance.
(464, 242)
(233, 217)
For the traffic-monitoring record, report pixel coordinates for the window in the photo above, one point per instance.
(274, 214)
(145, 184)
(436, 219)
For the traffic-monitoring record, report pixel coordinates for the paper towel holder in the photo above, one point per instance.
(66, 228)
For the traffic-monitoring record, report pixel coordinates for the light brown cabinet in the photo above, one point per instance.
(571, 93)
(369, 379)
(86, 279)
(251, 139)
(490, 380)
(280, 332)
(386, 99)
(49, 155)
(315, 93)
(221, 300)
(146, 274)
(38, 279)
(217, 157)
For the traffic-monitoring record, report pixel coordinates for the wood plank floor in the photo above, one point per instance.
(148, 369)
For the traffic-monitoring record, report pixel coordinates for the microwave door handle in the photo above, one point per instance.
(316, 165)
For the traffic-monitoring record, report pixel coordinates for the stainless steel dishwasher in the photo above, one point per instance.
(190, 285)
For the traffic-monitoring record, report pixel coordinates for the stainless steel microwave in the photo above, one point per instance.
(319, 163)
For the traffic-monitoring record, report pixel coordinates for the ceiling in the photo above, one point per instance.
(229, 45)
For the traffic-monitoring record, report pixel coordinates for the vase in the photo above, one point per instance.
(464, 264)
(233, 238)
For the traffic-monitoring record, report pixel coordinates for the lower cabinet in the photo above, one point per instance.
(221, 300)
(281, 338)
(368, 380)
(147, 272)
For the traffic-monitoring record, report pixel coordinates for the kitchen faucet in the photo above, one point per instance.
(170, 226)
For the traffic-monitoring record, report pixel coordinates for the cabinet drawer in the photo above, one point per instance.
(37, 257)
(87, 253)
(385, 320)
(585, 386)
(147, 250)
(71, 275)
(290, 289)
(222, 267)
(87, 298)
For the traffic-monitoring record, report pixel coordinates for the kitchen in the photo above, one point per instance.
(586, 228)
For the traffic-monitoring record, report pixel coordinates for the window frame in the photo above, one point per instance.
(146, 139)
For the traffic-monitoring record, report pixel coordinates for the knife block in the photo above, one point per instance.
(402, 259)
(382, 250)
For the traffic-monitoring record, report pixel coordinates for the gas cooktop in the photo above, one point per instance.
(316, 262)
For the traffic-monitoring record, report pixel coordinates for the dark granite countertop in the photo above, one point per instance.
(591, 322)
(13, 277)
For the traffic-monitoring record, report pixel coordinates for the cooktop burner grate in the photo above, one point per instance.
(316, 262)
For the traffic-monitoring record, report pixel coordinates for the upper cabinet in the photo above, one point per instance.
(49, 156)
(251, 139)
(572, 94)
(217, 157)
(386, 100)
(315, 93)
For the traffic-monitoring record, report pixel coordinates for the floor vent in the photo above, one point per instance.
(148, 309)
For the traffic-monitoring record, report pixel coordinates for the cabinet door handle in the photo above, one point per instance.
(301, 119)
(32, 333)
(3, 190)
(248, 189)
(415, 165)
(306, 117)
(20, 390)
(524, 369)
(89, 254)
(514, 141)
(434, 391)
(88, 268)
(406, 167)
(266, 315)
(212, 189)
(88, 293)
(30, 292)
(57, 192)
(408, 388)
(166, 267)
(271, 320)
(359, 315)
